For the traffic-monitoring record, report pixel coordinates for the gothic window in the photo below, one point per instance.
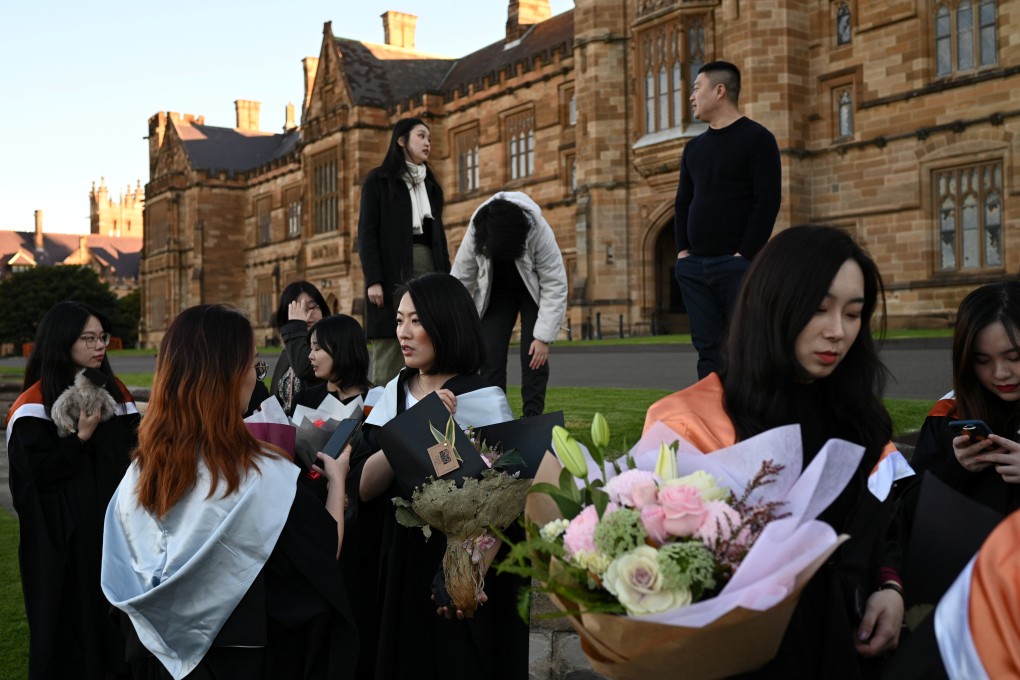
(665, 52)
(264, 300)
(520, 134)
(325, 193)
(466, 145)
(263, 219)
(843, 24)
(569, 103)
(968, 202)
(965, 35)
(845, 108)
(157, 225)
(293, 202)
(570, 173)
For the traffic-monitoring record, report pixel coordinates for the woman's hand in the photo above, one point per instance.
(449, 399)
(297, 312)
(971, 455)
(88, 421)
(539, 353)
(375, 294)
(334, 469)
(879, 631)
(452, 612)
(1006, 458)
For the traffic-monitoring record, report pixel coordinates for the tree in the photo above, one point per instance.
(130, 315)
(26, 296)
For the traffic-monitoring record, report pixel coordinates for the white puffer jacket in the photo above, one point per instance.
(541, 268)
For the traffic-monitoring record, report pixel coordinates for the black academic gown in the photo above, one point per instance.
(60, 489)
(413, 642)
(294, 621)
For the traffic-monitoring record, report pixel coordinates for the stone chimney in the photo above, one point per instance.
(288, 118)
(399, 29)
(247, 114)
(523, 14)
(83, 249)
(38, 231)
(311, 65)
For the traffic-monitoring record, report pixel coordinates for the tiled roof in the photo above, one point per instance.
(216, 148)
(556, 32)
(380, 75)
(121, 253)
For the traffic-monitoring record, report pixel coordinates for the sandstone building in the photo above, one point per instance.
(896, 121)
(122, 217)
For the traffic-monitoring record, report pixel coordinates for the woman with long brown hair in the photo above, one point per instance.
(214, 579)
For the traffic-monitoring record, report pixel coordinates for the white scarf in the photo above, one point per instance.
(414, 178)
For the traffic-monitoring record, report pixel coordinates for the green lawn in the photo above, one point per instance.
(13, 625)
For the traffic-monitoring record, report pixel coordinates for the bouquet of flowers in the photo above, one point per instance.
(307, 432)
(668, 555)
(458, 484)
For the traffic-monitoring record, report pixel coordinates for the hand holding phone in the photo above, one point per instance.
(977, 430)
(343, 434)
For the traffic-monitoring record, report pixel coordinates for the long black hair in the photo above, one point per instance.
(293, 292)
(394, 165)
(782, 290)
(501, 229)
(448, 315)
(994, 303)
(50, 361)
(343, 338)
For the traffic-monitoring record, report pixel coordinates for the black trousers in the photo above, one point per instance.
(497, 326)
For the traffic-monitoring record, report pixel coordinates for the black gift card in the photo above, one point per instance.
(408, 438)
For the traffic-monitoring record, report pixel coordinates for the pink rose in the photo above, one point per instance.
(684, 510)
(624, 486)
(720, 521)
(644, 494)
(653, 517)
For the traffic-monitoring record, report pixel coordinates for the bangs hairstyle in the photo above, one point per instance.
(782, 290)
(343, 339)
(393, 166)
(726, 73)
(293, 292)
(50, 361)
(193, 414)
(501, 229)
(997, 302)
(448, 315)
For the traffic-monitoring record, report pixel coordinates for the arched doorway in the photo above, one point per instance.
(670, 314)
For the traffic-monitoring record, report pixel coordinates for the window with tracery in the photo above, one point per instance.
(670, 58)
(968, 202)
(843, 33)
(466, 146)
(520, 134)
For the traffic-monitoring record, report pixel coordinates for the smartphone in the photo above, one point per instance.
(978, 430)
(341, 437)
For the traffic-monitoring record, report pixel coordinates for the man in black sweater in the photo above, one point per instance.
(726, 206)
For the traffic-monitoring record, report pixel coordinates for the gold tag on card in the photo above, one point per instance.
(443, 458)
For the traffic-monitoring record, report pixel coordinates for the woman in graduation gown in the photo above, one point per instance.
(61, 485)
(223, 565)
(441, 340)
(800, 351)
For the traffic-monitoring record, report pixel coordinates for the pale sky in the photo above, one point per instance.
(79, 80)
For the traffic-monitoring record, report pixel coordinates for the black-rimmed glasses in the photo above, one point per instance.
(90, 340)
(261, 369)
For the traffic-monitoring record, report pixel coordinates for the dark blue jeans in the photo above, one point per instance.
(709, 285)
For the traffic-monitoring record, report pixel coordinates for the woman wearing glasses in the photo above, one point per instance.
(225, 566)
(61, 482)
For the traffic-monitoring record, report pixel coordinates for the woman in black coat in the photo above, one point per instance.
(400, 235)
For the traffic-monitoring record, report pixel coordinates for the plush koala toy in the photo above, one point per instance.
(83, 395)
